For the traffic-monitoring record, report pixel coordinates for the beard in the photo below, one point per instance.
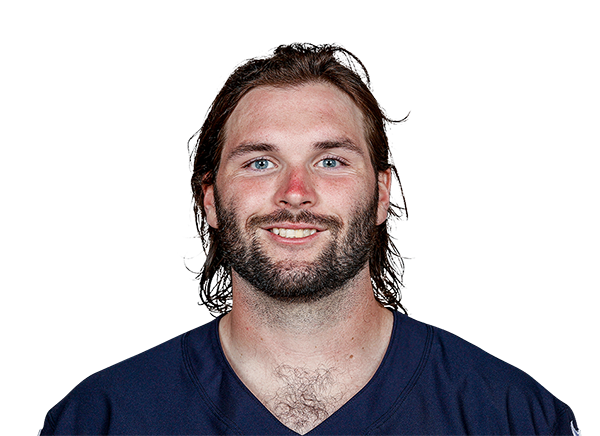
(297, 281)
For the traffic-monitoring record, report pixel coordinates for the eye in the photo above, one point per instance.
(261, 164)
(330, 162)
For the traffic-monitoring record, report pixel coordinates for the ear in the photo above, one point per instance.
(384, 184)
(209, 205)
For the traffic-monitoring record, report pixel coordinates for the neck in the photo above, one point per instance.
(351, 310)
(336, 343)
(345, 316)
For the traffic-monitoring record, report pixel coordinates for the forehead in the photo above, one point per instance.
(314, 111)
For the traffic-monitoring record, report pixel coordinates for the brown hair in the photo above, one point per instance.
(293, 65)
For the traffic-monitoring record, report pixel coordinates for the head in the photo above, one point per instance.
(292, 66)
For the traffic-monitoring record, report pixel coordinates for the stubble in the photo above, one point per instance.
(345, 255)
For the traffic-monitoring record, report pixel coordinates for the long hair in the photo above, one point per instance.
(293, 65)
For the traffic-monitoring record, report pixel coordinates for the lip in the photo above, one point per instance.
(294, 226)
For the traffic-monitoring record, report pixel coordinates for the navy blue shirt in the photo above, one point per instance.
(430, 382)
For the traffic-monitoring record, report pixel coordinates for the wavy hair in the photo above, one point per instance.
(294, 65)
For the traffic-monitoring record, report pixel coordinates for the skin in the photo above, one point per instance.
(312, 154)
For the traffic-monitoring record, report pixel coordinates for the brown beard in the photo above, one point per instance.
(287, 280)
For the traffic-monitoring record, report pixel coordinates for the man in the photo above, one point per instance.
(291, 183)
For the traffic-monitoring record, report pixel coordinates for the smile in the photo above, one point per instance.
(293, 233)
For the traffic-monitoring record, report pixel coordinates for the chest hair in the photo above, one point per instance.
(303, 398)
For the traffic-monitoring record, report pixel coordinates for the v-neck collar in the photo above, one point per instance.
(233, 403)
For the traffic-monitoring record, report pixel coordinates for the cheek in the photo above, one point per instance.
(344, 194)
(245, 195)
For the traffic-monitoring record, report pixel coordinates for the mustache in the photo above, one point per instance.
(304, 216)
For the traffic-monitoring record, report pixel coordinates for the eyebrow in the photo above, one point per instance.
(341, 143)
(264, 147)
(251, 147)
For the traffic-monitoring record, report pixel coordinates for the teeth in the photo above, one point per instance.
(292, 233)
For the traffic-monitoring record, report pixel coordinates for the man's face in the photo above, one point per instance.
(296, 200)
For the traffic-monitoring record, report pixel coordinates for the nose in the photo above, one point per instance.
(296, 189)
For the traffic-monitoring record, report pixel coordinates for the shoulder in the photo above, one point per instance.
(136, 372)
(464, 364)
(482, 390)
(114, 396)
(459, 362)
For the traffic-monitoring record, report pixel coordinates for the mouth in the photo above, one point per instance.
(294, 230)
(293, 233)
